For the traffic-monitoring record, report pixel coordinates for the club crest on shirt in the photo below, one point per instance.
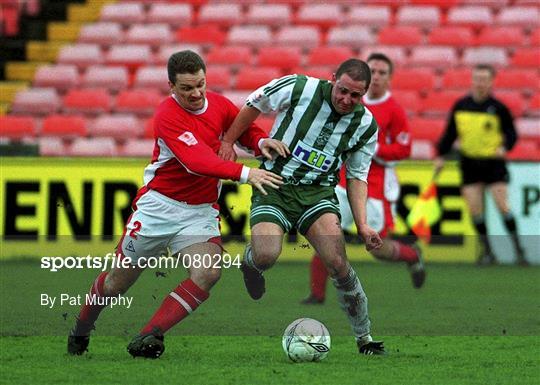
(188, 138)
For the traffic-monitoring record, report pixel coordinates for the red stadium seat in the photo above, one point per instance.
(253, 35)
(353, 36)
(118, 126)
(102, 33)
(111, 78)
(238, 98)
(64, 126)
(320, 15)
(173, 14)
(519, 15)
(315, 72)
(430, 129)
(519, 79)
(534, 105)
(61, 76)
(230, 55)
(513, 100)
(491, 55)
(36, 101)
(501, 36)
(329, 56)
(422, 150)
(81, 55)
(153, 34)
(442, 4)
(202, 34)
(397, 54)
(526, 57)
(493, 4)
(413, 79)
(269, 14)
(123, 13)
(253, 78)
(137, 148)
(129, 55)
(17, 127)
(453, 36)
(528, 128)
(302, 36)
(439, 103)
(218, 78)
(534, 39)
(474, 16)
(148, 128)
(51, 146)
(87, 101)
(457, 78)
(525, 150)
(421, 15)
(284, 58)
(226, 14)
(408, 99)
(401, 35)
(139, 101)
(152, 77)
(369, 15)
(92, 147)
(433, 56)
(165, 52)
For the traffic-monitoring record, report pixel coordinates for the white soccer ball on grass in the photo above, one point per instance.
(306, 340)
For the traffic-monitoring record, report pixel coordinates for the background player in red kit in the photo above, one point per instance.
(393, 144)
(176, 208)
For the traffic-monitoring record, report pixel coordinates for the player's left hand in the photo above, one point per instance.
(226, 151)
(273, 145)
(371, 238)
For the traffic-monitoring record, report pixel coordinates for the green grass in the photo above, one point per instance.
(468, 325)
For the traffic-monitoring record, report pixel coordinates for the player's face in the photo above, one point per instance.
(380, 78)
(482, 81)
(347, 93)
(190, 90)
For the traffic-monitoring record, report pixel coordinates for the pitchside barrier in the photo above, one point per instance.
(77, 207)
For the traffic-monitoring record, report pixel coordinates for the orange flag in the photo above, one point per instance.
(425, 212)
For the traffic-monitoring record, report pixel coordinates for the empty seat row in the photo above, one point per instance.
(322, 15)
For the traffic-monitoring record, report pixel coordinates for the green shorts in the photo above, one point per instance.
(291, 205)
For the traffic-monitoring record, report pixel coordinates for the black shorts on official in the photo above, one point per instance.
(293, 206)
(486, 171)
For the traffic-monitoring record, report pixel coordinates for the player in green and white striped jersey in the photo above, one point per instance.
(324, 125)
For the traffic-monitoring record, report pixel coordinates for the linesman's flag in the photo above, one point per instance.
(425, 213)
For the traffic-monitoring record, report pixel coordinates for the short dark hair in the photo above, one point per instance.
(486, 67)
(382, 57)
(184, 62)
(356, 69)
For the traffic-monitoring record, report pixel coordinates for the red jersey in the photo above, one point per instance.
(393, 143)
(185, 165)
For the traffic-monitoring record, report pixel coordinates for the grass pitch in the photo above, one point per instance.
(468, 325)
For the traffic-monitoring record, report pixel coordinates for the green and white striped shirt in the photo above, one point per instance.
(320, 139)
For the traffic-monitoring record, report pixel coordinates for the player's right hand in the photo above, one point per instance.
(259, 178)
(438, 163)
(226, 151)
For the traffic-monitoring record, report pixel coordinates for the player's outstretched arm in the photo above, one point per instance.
(243, 120)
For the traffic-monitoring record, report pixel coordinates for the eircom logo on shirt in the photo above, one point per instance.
(312, 157)
(188, 138)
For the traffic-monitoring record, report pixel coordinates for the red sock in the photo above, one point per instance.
(89, 313)
(405, 253)
(176, 306)
(319, 276)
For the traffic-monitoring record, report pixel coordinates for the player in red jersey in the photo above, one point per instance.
(393, 144)
(176, 208)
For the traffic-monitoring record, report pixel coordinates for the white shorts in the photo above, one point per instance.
(379, 217)
(160, 223)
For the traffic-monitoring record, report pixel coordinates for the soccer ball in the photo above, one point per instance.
(305, 340)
